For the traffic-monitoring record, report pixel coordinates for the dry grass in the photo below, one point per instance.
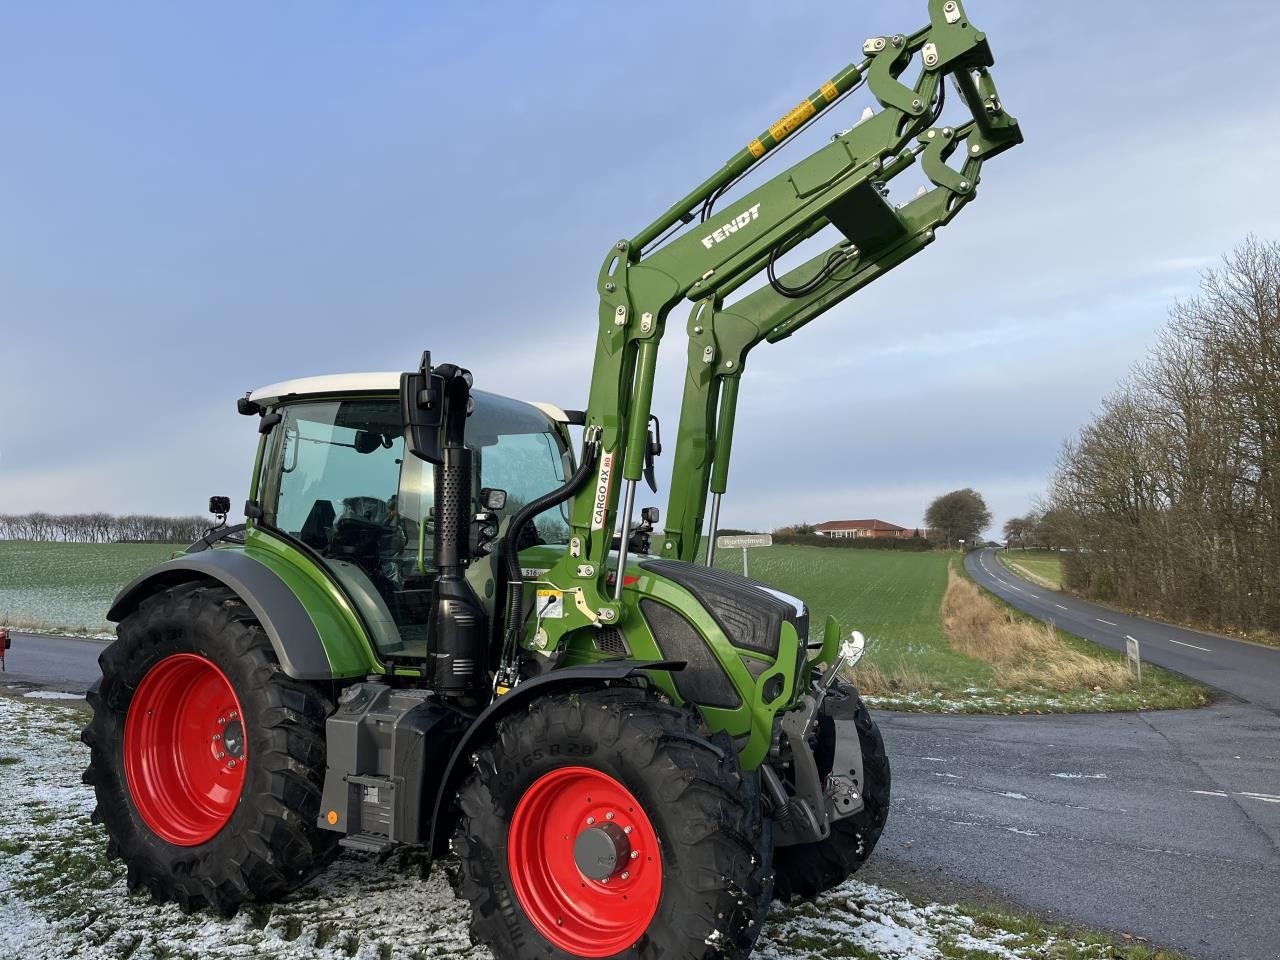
(1022, 654)
(38, 625)
(873, 681)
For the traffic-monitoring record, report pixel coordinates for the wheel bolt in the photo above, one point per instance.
(626, 875)
(609, 815)
(627, 829)
(217, 737)
(230, 763)
(590, 820)
(605, 880)
(635, 854)
(233, 715)
(221, 754)
(222, 721)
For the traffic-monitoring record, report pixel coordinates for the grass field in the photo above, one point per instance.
(1041, 566)
(895, 599)
(60, 897)
(68, 586)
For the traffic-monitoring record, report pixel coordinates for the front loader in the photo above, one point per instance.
(441, 626)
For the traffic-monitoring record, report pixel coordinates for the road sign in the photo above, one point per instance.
(744, 543)
(1133, 657)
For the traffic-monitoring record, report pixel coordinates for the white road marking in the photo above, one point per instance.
(1036, 595)
(1013, 796)
(1024, 833)
(1107, 622)
(1264, 797)
(1191, 645)
(1060, 606)
(1080, 776)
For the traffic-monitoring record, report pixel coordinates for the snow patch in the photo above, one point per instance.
(52, 695)
(59, 897)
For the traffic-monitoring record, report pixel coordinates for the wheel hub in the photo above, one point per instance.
(602, 851)
(585, 862)
(184, 749)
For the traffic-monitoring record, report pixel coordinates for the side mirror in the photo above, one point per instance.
(422, 411)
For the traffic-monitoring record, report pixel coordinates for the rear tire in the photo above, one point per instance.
(700, 881)
(191, 826)
(808, 869)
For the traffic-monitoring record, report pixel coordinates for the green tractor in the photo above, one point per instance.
(444, 624)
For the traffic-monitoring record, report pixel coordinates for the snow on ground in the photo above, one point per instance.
(60, 898)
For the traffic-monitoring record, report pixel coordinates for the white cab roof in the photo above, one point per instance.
(381, 382)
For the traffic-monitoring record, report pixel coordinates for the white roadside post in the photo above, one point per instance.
(745, 543)
(1133, 657)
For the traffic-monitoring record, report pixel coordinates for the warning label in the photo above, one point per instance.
(792, 121)
(549, 605)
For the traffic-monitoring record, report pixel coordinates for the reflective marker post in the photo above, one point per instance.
(1133, 657)
(745, 543)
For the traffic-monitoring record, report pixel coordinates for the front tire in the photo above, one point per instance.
(206, 758)
(809, 869)
(605, 824)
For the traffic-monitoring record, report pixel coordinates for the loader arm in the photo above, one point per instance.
(838, 185)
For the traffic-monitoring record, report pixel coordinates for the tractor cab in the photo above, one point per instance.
(335, 478)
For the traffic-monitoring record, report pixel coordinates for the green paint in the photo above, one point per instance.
(838, 185)
(346, 644)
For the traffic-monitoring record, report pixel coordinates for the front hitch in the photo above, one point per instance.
(804, 813)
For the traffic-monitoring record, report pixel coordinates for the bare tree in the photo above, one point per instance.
(1171, 494)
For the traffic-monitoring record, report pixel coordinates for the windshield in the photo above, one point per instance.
(338, 480)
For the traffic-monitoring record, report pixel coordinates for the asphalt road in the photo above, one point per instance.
(69, 664)
(1165, 825)
(1245, 670)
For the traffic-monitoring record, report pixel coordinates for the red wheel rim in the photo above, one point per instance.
(584, 915)
(184, 749)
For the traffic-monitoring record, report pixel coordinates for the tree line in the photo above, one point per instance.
(102, 527)
(1170, 496)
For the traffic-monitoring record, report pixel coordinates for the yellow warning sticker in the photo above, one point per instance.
(792, 121)
(756, 148)
(830, 92)
(549, 605)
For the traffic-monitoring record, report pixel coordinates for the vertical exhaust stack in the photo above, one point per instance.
(435, 405)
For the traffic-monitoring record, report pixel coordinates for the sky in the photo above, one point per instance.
(196, 200)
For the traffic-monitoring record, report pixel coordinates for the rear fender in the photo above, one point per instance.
(585, 676)
(314, 630)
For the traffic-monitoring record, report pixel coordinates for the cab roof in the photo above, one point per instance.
(386, 382)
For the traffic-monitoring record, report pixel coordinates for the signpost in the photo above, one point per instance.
(745, 543)
(1133, 656)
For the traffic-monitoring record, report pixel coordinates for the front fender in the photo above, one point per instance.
(315, 632)
(586, 675)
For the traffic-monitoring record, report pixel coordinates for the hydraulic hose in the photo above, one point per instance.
(511, 541)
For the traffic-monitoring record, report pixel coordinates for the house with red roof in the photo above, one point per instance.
(859, 529)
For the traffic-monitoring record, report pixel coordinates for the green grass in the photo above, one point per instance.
(1042, 566)
(68, 586)
(892, 597)
(895, 598)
